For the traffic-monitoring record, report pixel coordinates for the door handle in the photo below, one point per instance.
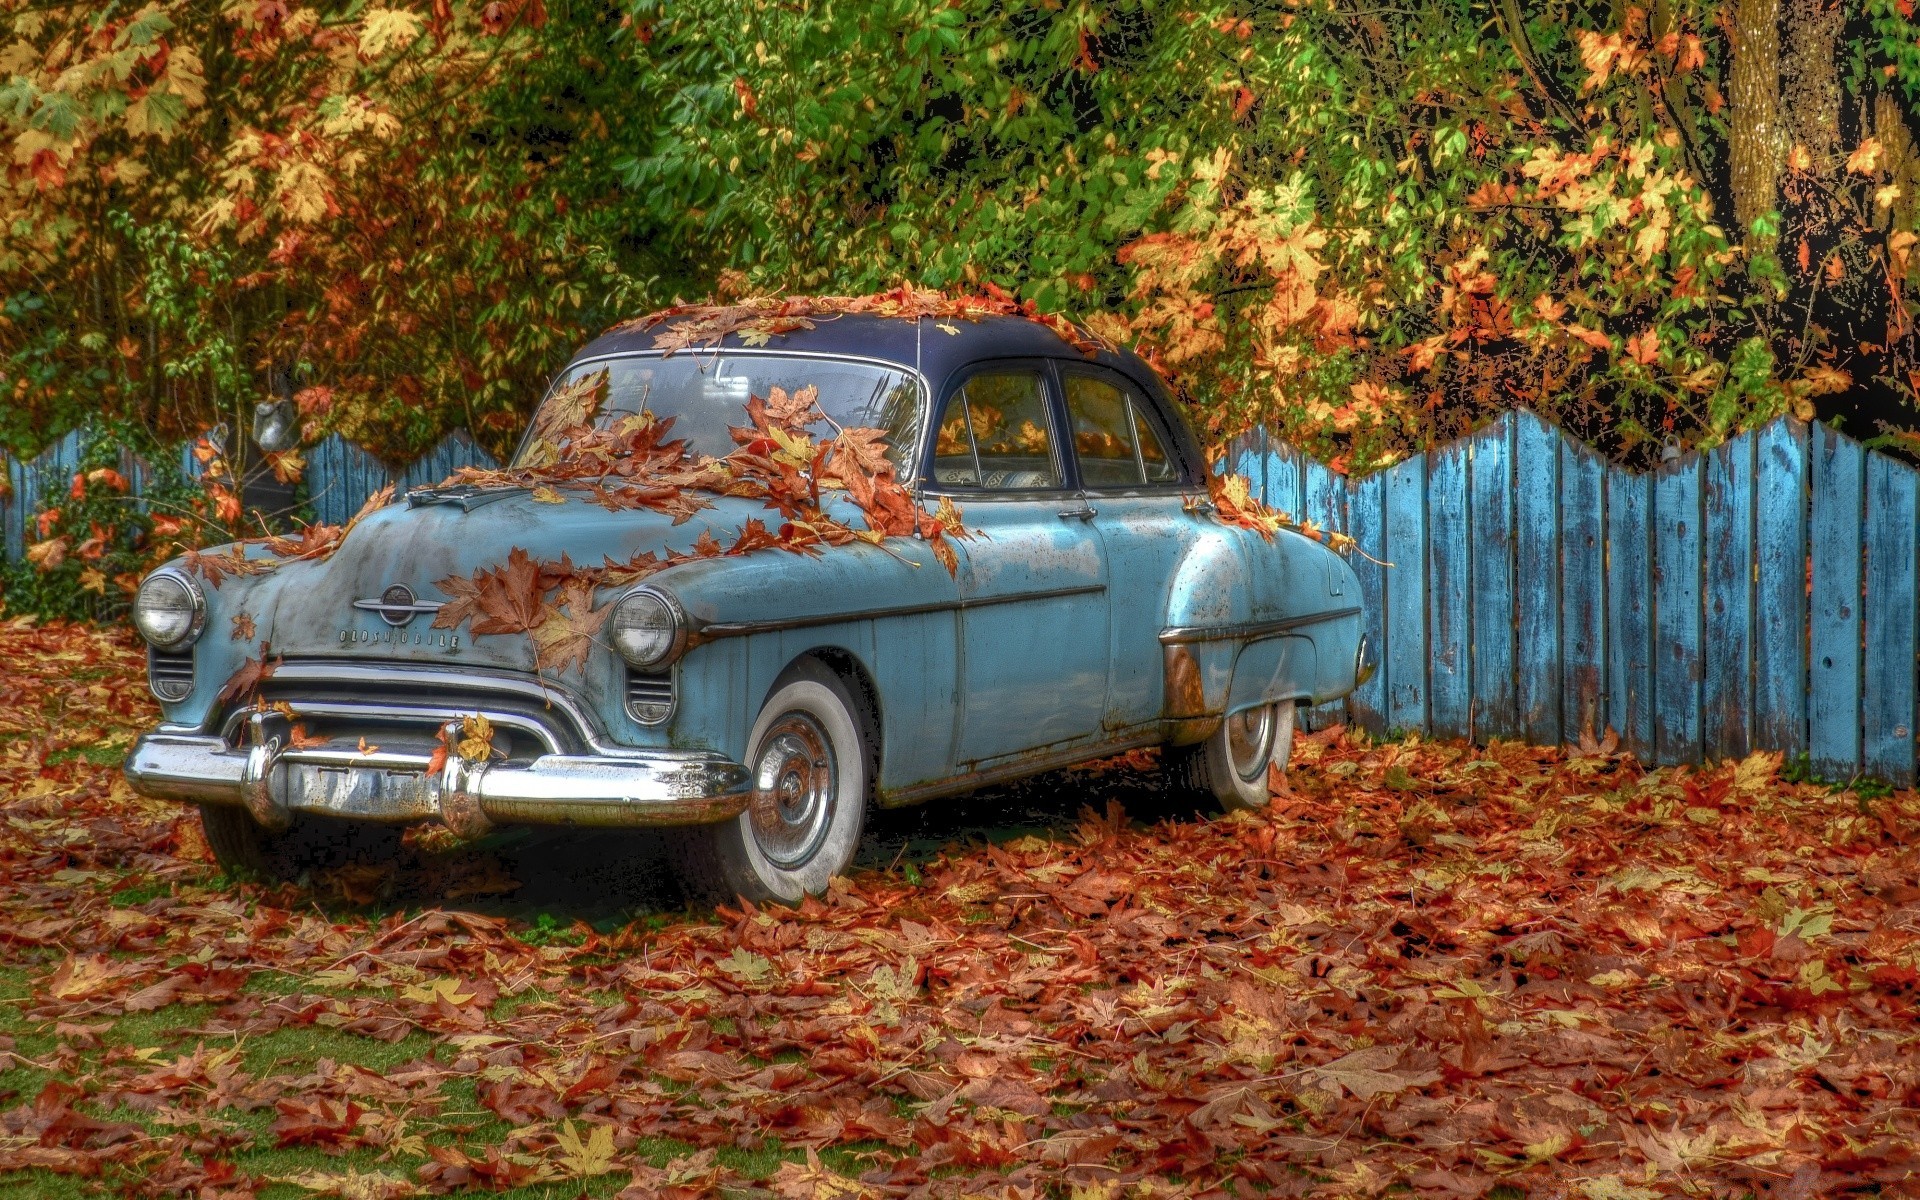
(1077, 514)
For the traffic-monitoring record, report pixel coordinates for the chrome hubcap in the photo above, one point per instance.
(1250, 741)
(794, 784)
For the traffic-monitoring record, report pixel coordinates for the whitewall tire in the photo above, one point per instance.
(812, 766)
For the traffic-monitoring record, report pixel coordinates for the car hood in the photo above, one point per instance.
(308, 608)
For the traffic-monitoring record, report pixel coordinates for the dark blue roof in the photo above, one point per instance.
(923, 344)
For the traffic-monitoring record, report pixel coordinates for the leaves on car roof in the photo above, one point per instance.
(757, 319)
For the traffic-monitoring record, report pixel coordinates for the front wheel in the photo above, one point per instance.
(812, 765)
(1231, 766)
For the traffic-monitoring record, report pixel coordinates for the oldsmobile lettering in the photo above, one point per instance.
(395, 637)
(750, 703)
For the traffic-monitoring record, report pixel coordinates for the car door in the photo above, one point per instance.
(1133, 476)
(1033, 578)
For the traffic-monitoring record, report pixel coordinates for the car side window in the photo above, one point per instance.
(1117, 444)
(1156, 463)
(993, 435)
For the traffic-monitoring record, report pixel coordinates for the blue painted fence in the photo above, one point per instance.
(339, 476)
(1761, 595)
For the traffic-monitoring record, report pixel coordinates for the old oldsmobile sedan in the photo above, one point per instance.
(756, 705)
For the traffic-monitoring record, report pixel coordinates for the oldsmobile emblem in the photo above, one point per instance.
(397, 605)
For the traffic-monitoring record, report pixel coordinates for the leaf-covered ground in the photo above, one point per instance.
(1426, 966)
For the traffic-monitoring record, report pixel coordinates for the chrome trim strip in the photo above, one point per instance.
(726, 629)
(1179, 634)
(376, 604)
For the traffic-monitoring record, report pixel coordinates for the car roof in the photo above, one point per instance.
(938, 347)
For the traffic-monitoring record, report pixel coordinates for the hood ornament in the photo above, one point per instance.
(397, 605)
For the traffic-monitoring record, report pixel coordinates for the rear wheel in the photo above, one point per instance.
(812, 765)
(1231, 766)
(242, 846)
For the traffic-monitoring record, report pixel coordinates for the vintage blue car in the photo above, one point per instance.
(755, 705)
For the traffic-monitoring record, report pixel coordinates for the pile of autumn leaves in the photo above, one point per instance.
(1425, 966)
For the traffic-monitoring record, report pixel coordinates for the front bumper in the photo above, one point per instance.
(644, 789)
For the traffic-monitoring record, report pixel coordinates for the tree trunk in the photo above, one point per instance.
(1754, 117)
(1810, 81)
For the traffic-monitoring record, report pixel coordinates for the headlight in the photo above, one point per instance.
(647, 629)
(169, 610)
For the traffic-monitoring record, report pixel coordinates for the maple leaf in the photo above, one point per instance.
(315, 1121)
(568, 629)
(243, 629)
(1368, 1073)
(585, 1158)
(243, 686)
(387, 29)
(503, 599)
(1865, 158)
(353, 1184)
(476, 740)
(859, 449)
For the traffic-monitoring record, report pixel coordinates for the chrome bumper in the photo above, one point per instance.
(648, 788)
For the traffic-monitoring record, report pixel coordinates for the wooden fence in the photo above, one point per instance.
(1763, 595)
(1759, 596)
(339, 477)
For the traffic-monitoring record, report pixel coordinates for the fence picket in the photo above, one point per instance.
(1833, 708)
(1887, 699)
(1283, 467)
(1583, 591)
(1366, 521)
(1726, 729)
(1630, 609)
(1490, 592)
(1537, 574)
(1780, 587)
(1403, 655)
(1449, 536)
(1676, 606)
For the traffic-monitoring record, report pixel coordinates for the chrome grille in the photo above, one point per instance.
(170, 676)
(649, 697)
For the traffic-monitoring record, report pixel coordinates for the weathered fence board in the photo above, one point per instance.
(1726, 722)
(1449, 699)
(1366, 525)
(1583, 592)
(1833, 691)
(1490, 557)
(1536, 579)
(1780, 588)
(1676, 606)
(1887, 697)
(1630, 609)
(1404, 657)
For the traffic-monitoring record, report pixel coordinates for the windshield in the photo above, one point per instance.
(707, 393)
